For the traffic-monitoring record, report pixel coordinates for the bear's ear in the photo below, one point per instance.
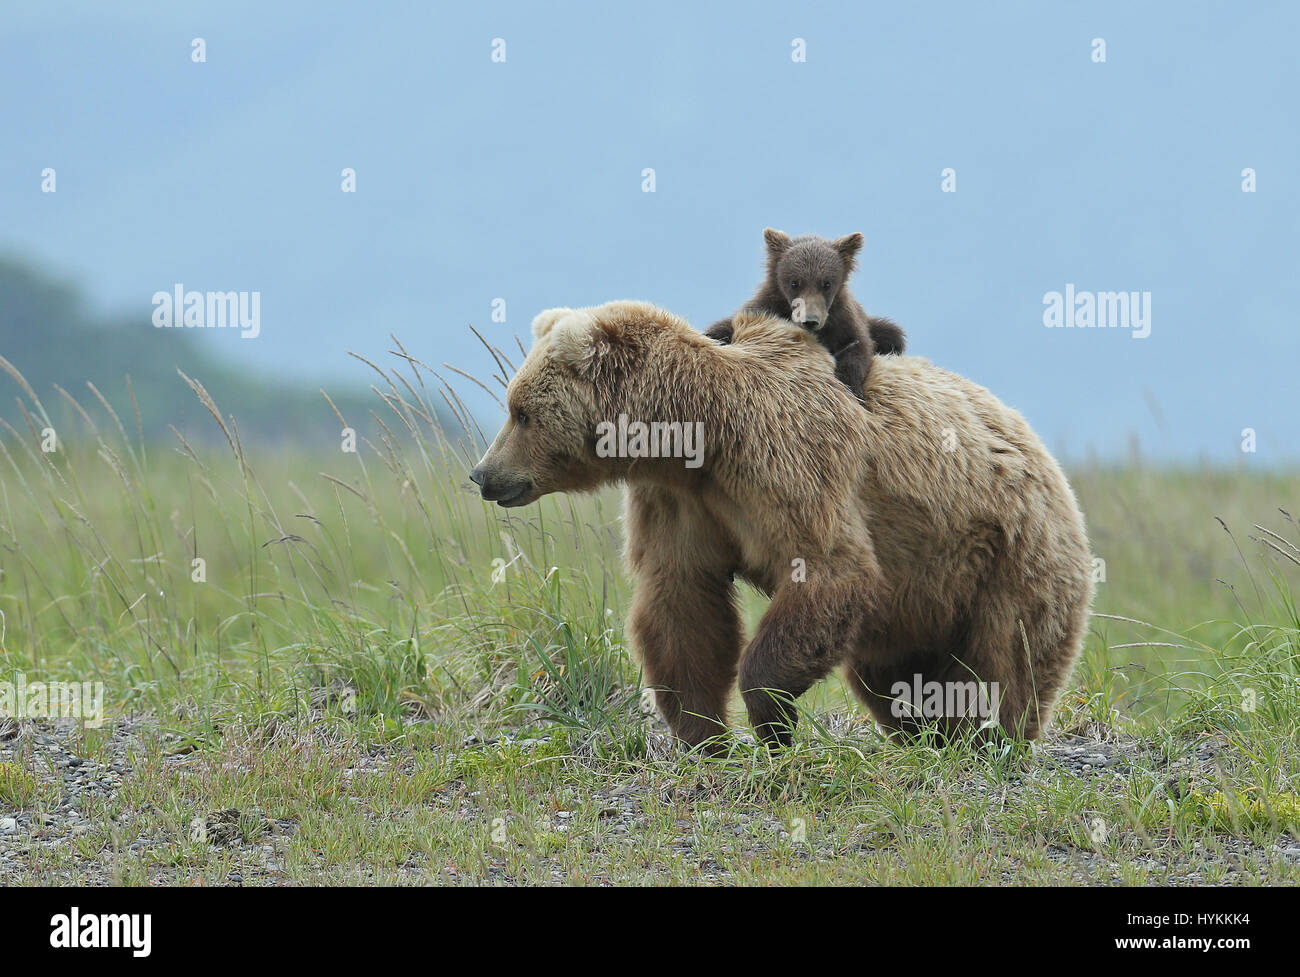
(545, 320)
(577, 337)
(848, 247)
(777, 241)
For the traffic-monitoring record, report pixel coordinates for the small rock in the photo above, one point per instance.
(221, 827)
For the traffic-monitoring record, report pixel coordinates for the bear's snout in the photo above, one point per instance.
(499, 488)
(809, 311)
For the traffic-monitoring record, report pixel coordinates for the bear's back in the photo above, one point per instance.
(953, 454)
(940, 452)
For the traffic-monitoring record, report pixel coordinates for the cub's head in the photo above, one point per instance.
(810, 271)
(569, 382)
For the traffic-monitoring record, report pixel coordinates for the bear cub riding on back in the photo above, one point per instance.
(807, 283)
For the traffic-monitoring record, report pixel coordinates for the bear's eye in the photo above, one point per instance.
(826, 286)
(794, 286)
(521, 418)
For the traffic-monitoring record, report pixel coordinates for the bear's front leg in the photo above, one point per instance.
(852, 366)
(684, 621)
(688, 633)
(809, 627)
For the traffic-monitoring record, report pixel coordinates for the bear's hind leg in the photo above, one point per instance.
(922, 694)
(984, 684)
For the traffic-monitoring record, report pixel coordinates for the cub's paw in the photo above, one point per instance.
(721, 332)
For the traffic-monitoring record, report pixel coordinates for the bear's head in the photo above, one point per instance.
(809, 271)
(570, 381)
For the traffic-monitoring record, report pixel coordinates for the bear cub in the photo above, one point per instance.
(807, 283)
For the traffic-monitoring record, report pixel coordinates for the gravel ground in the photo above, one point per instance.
(67, 783)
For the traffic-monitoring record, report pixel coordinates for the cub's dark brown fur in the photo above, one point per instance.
(807, 283)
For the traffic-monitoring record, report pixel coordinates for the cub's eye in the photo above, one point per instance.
(794, 286)
(521, 418)
(826, 286)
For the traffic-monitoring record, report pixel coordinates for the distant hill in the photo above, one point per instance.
(47, 335)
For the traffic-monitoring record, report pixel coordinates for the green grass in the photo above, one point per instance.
(391, 681)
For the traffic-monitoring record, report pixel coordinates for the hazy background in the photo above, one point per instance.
(522, 181)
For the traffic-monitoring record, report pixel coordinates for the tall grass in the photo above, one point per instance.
(376, 580)
(202, 582)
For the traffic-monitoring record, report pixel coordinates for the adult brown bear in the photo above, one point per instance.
(928, 541)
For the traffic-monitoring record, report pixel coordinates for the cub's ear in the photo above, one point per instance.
(848, 247)
(544, 321)
(777, 241)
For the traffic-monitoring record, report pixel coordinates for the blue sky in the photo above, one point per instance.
(522, 180)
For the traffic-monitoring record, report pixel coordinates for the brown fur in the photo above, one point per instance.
(813, 272)
(939, 536)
